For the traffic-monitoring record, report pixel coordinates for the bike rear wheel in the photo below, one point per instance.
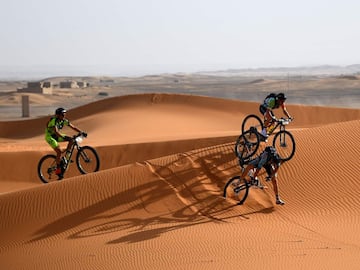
(252, 120)
(87, 160)
(46, 169)
(284, 144)
(237, 189)
(247, 144)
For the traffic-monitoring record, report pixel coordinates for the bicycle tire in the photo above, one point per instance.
(252, 120)
(46, 168)
(237, 189)
(285, 145)
(246, 145)
(87, 160)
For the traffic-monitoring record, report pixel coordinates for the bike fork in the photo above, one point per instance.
(283, 139)
(85, 157)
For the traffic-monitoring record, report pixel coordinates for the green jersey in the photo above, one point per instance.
(55, 122)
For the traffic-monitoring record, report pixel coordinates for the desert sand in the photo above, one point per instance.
(157, 203)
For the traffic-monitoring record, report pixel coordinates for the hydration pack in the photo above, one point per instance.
(271, 95)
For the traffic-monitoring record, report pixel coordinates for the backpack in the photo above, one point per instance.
(271, 95)
(268, 99)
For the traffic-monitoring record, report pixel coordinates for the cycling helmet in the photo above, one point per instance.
(281, 96)
(60, 111)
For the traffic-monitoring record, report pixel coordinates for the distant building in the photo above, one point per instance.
(69, 84)
(47, 84)
(107, 81)
(37, 87)
(82, 84)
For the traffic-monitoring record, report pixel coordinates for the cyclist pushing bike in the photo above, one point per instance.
(270, 160)
(271, 102)
(53, 135)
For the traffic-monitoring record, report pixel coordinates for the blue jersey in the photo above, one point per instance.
(261, 160)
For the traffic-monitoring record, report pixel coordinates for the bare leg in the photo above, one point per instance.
(268, 122)
(58, 155)
(69, 145)
(246, 171)
(267, 119)
(276, 191)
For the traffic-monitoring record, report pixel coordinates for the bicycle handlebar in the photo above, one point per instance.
(83, 134)
(80, 134)
(284, 121)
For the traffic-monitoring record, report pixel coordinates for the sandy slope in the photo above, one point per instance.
(157, 201)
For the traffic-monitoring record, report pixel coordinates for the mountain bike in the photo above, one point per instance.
(246, 145)
(87, 161)
(237, 188)
(283, 141)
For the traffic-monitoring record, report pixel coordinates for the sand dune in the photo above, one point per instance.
(157, 201)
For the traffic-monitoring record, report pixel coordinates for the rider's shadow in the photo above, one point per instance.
(183, 190)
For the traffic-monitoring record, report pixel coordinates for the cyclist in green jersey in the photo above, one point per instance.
(53, 135)
(271, 102)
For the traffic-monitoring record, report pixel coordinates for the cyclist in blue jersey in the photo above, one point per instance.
(53, 135)
(270, 160)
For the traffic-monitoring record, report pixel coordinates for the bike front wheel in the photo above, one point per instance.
(247, 144)
(87, 160)
(284, 144)
(237, 189)
(46, 169)
(252, 121)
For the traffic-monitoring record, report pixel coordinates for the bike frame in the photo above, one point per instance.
(74, 145)
(85, 157)
(279, 123)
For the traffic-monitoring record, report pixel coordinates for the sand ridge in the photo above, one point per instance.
(163, 208)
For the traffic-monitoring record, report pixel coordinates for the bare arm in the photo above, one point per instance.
(57, 132)
(74, 127)
(285, 110)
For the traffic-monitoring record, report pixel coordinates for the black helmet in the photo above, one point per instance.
(281, 96)
(273, 155)
(60, 111)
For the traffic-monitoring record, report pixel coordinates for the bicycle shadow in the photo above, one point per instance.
(189, 187)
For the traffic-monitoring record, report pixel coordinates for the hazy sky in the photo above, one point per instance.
(178, 36)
